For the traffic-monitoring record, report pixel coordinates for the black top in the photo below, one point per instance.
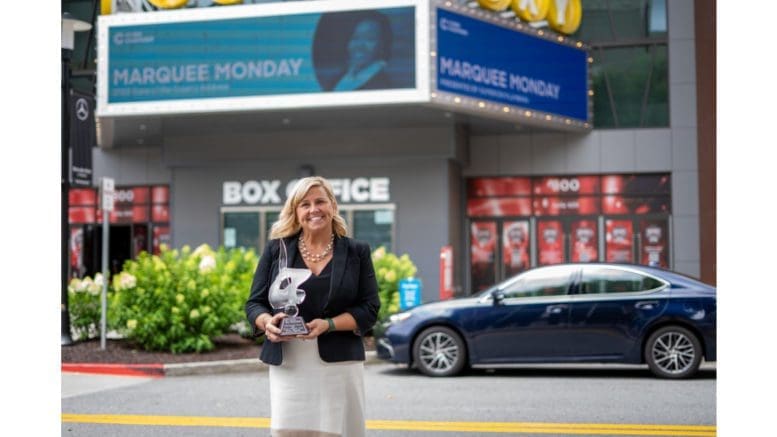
(316, 291)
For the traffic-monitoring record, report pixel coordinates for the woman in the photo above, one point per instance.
(317, 379)
(368, 53)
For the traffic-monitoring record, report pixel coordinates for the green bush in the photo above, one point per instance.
(179, 301)
(389, 270)
(84, 306)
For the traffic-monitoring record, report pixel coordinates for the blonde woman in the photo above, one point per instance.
(317, 379)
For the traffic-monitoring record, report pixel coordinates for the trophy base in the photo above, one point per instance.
(293, 326)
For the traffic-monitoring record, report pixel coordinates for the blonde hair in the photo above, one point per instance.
(287, 223)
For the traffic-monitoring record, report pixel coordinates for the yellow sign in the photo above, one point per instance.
(531, 10)
(228, 2)
(494, 5)
(168, 4)
(564, 16)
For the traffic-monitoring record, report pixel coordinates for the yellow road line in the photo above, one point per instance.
(413, 425)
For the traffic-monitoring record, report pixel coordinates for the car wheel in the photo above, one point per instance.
(673, 352)
(439, 351)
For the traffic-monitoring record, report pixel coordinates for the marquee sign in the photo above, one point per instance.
(286, 55)
(487, 64)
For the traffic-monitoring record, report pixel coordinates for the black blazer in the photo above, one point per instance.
(353, 289)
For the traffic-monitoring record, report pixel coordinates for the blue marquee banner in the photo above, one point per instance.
(262, 56)
(491, 62)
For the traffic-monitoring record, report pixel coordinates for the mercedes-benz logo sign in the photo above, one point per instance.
(82, 109)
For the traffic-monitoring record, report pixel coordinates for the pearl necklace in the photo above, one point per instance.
(315, 257)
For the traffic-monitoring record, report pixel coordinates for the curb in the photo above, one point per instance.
(182, 369)
(152, 370)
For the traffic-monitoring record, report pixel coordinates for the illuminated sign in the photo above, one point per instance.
(266, 56)
(563, 16)
(490, 65)
(268, 192)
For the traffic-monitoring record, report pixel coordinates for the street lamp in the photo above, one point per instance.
(70, 25)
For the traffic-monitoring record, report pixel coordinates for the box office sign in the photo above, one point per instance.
(280, 55)
(275, 192)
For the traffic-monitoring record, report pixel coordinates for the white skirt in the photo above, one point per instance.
(312, 398)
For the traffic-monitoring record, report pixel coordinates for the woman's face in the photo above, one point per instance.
(363, 46)
(315, 211)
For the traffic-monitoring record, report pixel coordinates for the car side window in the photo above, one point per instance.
(543, 282)
(605, 280)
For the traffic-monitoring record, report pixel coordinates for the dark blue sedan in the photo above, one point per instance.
(567, 313)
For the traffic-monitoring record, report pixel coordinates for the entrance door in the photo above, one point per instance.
(499, 249)
(567, 240)
(484, 246)
(120, 247)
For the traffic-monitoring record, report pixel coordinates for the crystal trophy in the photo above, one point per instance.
(285, 294)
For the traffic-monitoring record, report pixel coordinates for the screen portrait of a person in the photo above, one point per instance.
(360, 50)
(368, 53)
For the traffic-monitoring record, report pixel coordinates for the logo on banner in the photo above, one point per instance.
(550, 235)
(620, 234)
(82, 109)
(584, 235)
(653, 234)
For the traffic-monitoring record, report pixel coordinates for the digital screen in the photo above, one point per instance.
(485, 60)
(239, 57)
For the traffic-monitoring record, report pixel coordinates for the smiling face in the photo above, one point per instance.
(364, 44)
(315, 211)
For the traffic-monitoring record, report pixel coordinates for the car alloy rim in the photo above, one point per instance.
(673, 352)
(438, 352)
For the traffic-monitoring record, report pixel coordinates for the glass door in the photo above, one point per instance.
(567, 240)
(516, 252)
(654, 242)
(483, 254)
(619, 239)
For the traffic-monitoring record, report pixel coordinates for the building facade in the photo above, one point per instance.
(499, 196)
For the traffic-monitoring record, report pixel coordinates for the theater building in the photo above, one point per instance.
(495, 143)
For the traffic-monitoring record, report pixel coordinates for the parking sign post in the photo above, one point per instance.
(106, 198)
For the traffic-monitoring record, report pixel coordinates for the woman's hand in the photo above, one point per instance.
(272, 329)
(316, 328)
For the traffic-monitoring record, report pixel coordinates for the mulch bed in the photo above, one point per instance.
(228, 347)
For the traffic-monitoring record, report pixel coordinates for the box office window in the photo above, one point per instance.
(249, 227)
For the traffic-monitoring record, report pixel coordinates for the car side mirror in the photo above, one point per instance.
(498, 297)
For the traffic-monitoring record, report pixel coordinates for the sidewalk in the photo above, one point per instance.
(180, 369)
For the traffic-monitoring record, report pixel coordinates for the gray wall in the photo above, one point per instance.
(670, 149)
(420, 163)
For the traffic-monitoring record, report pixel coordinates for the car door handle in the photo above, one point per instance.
(556, 309)
(646, 305)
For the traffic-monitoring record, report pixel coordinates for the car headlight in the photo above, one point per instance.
(399, 317)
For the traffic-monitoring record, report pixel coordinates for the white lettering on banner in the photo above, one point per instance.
(359, 190)
(231, 193)
(498, 78)
(290, 187)
(379, 190)
(192, 73)
(271, 192)
(252, 192)
(266, 191)
(124, 196)
(473, 72)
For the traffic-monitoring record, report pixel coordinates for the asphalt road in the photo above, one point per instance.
(549, 400)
